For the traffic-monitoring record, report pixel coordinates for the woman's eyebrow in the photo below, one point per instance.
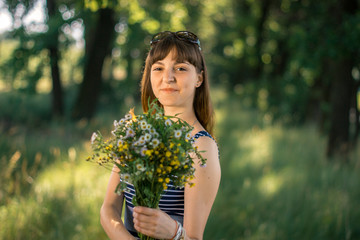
(187, 63)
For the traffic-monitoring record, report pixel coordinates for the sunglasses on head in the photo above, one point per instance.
(182, 35)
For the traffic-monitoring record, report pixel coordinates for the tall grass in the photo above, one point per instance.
(276, 182)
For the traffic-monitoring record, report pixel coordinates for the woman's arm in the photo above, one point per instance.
(111, 209)
(200, 198)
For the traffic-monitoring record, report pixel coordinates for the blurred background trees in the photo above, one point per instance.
(296, 61)
(285, 75)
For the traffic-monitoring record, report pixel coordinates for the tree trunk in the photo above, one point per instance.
(57, 92)
(354, 106)
(265, 10)
(340, 100)
(97, 50)
(342, 84)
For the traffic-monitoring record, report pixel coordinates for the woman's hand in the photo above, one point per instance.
(154, 223)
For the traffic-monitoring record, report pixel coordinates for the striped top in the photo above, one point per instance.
(171, 201)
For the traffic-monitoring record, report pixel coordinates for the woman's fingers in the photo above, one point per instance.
(145, 210)
(145, 220)
(153, 222)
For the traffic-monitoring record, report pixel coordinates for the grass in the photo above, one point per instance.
(276, 182)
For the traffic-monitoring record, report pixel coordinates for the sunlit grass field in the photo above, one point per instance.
(276, 182)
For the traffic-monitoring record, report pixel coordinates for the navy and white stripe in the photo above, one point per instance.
(171, 201)
(203, 134)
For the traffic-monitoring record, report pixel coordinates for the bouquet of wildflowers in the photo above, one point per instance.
(150, 150)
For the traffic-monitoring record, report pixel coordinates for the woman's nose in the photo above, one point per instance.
(168, 76)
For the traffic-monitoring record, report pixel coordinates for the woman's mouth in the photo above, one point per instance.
(168, 90)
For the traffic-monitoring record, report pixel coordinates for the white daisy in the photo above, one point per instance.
(140, 167)
(116, 124)
(147, 137)
(130, 133)
(125, 176)
(152, 131)
(94, 137)
(155, 142)
(177, 133)
(120, 142)
(143, 151)
(168, 122)
(141, 142)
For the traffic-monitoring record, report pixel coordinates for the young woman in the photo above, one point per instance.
(175, 74)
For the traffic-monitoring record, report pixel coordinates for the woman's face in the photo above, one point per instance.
(173, 82)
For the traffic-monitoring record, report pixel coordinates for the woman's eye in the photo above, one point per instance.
(181, 69)
(157, 69)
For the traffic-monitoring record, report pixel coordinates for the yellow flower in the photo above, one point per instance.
(160, 179)
(168, 169)
(167, 180)
(148, 152)
(171, 145)
(168, 154)
(133, 116)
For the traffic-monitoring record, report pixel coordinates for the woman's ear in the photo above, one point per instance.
(200, 79)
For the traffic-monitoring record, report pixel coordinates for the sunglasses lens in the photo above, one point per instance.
(187, 36)
(183, 35)
(159, 36)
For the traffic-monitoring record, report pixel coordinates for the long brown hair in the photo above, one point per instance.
(185, 51)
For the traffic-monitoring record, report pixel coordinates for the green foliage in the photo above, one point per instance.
(95, 5)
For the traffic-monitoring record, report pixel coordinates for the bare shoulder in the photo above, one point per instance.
(210, 152)
(208, 145)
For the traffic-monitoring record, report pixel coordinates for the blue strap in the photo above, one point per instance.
(203, 133)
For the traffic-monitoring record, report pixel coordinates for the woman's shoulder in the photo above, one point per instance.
(204, 141)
